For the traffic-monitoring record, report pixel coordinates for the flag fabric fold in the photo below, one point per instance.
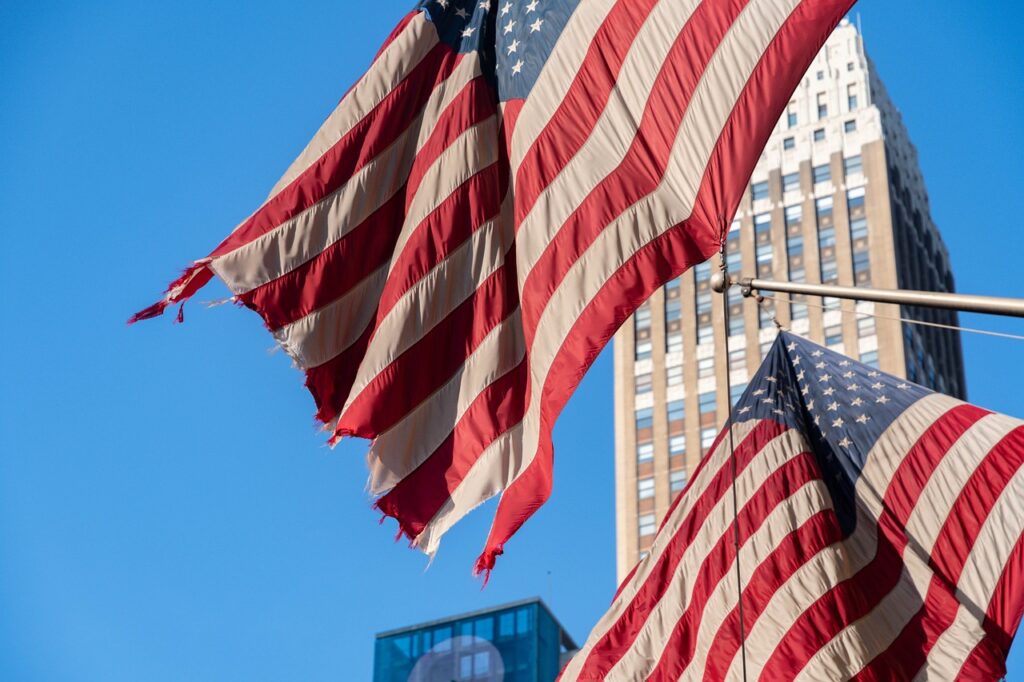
(880, 532)
(486, 205)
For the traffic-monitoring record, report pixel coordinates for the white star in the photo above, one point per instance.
(531, 7)
(760, 391)
(461, 13)
(874, 374)
(856, 402)
(779, 412)
(796, 360)
(844, 363)
(517, 67)
(823, 378)
(845, 443)
(883, 400)
(768, 401)
(820, 365)
(852, 387)
(535, 26)
(878, 386)
(506, 8)
(838, 422)
(513, 46)
(863, 419)
(485, 5)
(805, 390)
(791, 347)
(810, 406)
(829, 391)
(468, 32)
(903, 387)
(772, 379)
(800, 376)
(817, 421)
(833, 407)
(848, 375)
(817, 353)
(443, 4)
(508, 27)
(744, 410)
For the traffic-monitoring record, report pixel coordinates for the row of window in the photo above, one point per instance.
(789, 143)
(822, 173)
(821, 104)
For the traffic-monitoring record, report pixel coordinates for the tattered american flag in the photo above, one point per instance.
(498, 193)
(880, 533)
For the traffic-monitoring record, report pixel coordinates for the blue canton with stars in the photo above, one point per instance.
(842, 406)
(513, 39)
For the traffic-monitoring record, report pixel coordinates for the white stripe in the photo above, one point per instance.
(842, 560)
(559, 72)
(662, 618)
(714, 99)
(407, 50)
(611, 137)
(397, 452)
(659, 621)
(334, 327)
(298, 240)
(786, 518)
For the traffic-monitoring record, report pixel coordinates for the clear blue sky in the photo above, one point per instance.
(167, 510)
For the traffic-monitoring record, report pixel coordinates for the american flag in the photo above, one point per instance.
(495, 196)
(880, 538)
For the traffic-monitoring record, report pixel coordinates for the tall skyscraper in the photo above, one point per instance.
(837, 197)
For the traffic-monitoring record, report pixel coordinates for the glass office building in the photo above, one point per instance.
(518, 642)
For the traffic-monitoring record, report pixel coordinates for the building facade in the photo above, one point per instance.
(837, 197)
(518, 642)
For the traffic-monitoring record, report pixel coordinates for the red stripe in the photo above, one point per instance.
(643, 167)
(417, 373)
(910, 649)
(417, 498)
(622, 634)
(821, 531)
(381, 126)
(573, 122)
(777, 489)
(339, 267)
(757, 111)
(331, 382)
(858, 595)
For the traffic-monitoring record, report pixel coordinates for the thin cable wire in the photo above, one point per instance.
(908, 320)
(732, 462)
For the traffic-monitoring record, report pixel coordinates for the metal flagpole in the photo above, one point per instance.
(992, 305)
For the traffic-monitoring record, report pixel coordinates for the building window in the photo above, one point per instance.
(798, 274)
(791, 118)
(676, 445)
(851, 96)
(674, 375)
(737, 360)
(673, 310)
(707, 438)
(833, 335)
(790, 183)
(850, 126)
(644, 350)
(702, 273)
(821, 75)
(870, 359)
(674, 342)
(762, 226)
(765, 347)
(829, 302)
(644, 419)
(823, 210)
(798, 311)
(822, 173)
(735, 324)
(759, 191)
(645, 488)
(866, 326)
(822, 105)
(734, 261)
(789, 143)
(819, 135)
(794, 217)
(853, 165)
(643, 318)
(830, 274)
(704, 303)
(644, 383)
(765, 316)
(642, 331)
(644, 452)
(764, 253)
(705, 334)
(646, 525)
(676, 410)
(677, 480)
(673, 286)
(849, 66)
(707, 402)
(706, 368)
